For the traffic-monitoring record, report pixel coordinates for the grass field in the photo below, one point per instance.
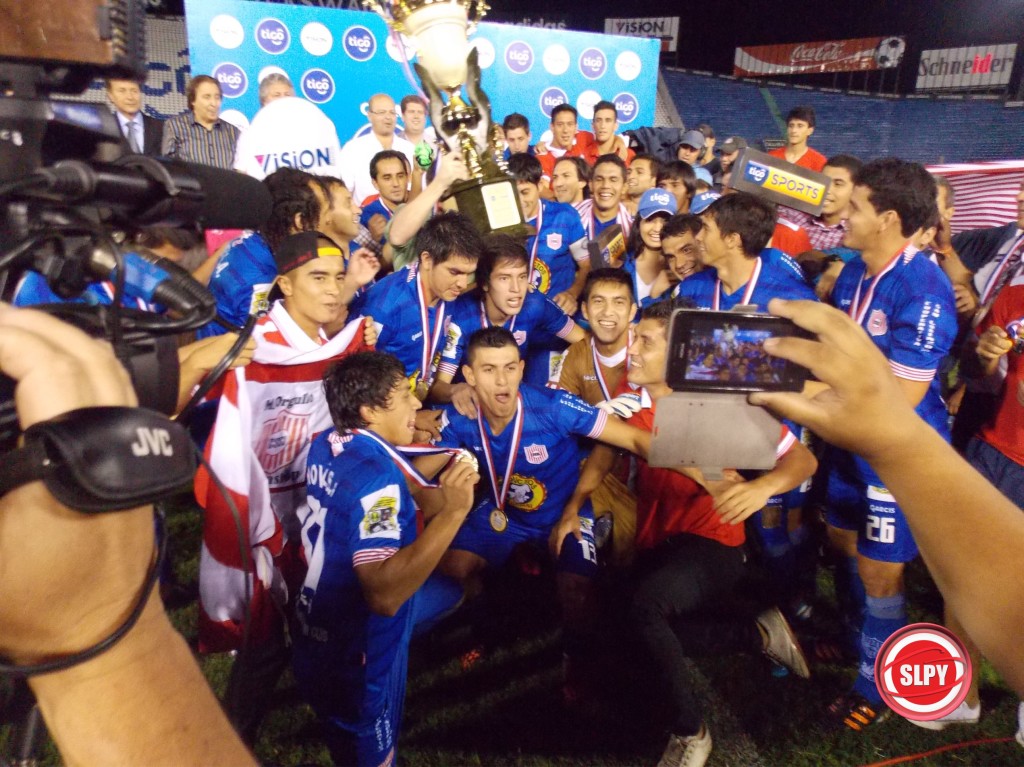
(507, 711)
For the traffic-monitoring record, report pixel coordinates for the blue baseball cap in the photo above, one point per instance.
(655, 201)
(702, 201)
(703, 174)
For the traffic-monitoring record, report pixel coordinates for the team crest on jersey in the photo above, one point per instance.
(554, 241)
(451, 341)
(260, 303)
(526, 493)
(380, 520)
(878, 324)
(281, 439)
(541, 277)
(536, 453)
(520, 336)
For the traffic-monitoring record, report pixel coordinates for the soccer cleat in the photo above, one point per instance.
(962, 714)
(780, 643)
(687, 752)
(857, 712)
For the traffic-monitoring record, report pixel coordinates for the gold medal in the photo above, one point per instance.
(499, 522)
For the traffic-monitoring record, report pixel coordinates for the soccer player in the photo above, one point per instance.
(594, 369)
(370, 583)
(800, 124)
(411, 305)
(503, 299)
(606, 140)
(389, 172)
(268, 412)
(558, 254)
(690, 555)
(570, 180)
(679, 247)
(738, 269)
(524, 438)
(906, 305)
(641, 175)
(517, 135)
(566, 138)
(678, 178)
(246, 270)
(604, 208)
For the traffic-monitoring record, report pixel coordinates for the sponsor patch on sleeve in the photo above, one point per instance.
(380, 514)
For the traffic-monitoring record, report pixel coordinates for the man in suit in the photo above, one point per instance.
(142, 133)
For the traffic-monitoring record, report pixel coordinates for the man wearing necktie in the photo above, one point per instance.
(142, 134)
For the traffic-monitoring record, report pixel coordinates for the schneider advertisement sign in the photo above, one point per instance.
(976, 67)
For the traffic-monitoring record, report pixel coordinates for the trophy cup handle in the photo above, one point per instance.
(478, 98)
(436, 107)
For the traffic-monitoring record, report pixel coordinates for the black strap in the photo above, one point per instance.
(104, 458)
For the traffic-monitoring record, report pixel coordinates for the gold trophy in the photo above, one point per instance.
(445, 63)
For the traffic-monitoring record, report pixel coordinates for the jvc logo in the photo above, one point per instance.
(359, 43)
(272, 36)
(152, 442)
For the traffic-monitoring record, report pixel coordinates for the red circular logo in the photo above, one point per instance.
(923, 671)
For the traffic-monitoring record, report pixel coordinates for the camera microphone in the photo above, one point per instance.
(153, 279)
(144, 190)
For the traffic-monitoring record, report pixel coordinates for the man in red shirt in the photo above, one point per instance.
(567, 140)
(690, 554)
(799, 128)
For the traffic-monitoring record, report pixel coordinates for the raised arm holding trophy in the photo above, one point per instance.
(445, 64)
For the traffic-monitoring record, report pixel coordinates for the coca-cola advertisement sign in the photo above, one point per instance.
(857, 55)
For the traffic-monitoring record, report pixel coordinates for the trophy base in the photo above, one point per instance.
(492, 204)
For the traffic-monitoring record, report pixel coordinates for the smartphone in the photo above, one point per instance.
(712, 351)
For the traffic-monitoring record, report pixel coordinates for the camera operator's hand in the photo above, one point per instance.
(197, 359)
(70, 579)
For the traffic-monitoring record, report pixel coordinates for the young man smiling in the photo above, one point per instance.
(267, 415)
(605, 208)
(389, 172)
(906, 304)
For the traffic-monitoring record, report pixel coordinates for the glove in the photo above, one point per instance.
(624, 406)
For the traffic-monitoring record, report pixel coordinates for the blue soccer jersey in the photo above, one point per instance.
(909, 311)
(553, 267)
(241, 281)
(776, 275)
(547, 455)
(539, 314)
(408, 328)
(350, 662)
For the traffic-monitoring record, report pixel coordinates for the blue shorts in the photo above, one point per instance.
(882, 531)
(1005, 473)
(362, 716)
(493, 538)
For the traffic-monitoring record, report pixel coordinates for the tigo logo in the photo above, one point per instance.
(359, 42)
(593, 63)
(551, 98)
(519, 57)
(232, 79)
(626, 107)
(272, 36)
(318, 86)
